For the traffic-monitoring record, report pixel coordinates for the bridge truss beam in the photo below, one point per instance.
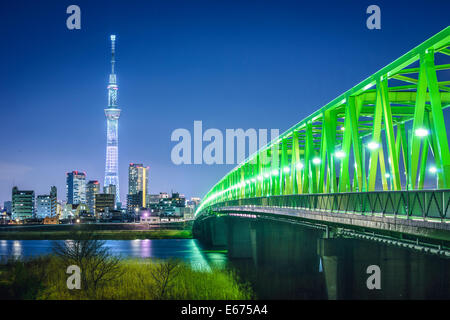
(395, 115)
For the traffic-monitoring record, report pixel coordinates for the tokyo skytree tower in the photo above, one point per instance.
(112, 113)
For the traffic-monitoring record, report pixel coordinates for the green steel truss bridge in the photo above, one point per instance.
(369, 151)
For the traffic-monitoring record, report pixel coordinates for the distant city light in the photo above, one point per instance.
(316, 160)
(373, 145)
(299, 166)
(266, 175)
(387, 175)
(286, 169)
(342, 128)
(432, 170)
(421, 132)
(274, 172)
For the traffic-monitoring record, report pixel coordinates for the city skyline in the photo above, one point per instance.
(178, 64)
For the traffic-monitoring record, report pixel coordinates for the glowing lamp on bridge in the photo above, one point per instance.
(373, 145)
(316, 160)
(387, 175)
(299, 166)
(260, 178)
(432, 170)
(286, 169)
(421, 132)
(253, 180)
(274, 172)
(340, 154)
(266, 175)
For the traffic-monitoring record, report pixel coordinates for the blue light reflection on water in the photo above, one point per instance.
(188, 250)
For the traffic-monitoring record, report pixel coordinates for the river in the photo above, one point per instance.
(298, 274)
(188, 250)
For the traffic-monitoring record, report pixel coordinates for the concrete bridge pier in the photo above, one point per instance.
(218, 236)
(331, 252)
(404, 274)
(241, 239)
(211, 231)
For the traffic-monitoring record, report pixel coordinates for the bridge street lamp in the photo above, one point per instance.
(339, 154)
(373, 145)
(421, 132)
(434, 170)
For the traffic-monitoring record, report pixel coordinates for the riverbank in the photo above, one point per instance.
(44, 278)
(99, 234)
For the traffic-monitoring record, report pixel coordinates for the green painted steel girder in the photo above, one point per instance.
(326, 152)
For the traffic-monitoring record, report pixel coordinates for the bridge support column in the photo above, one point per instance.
(218, 234)
(404, 274)
(331, 251)
(240, 239)
(211, 231)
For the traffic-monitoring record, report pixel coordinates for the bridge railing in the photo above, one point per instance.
(425, 204)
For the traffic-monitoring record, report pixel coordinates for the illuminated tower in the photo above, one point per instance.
(112, 113)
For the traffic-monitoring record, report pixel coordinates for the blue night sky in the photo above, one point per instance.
(231, 64)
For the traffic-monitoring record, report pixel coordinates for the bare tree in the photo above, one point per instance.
(97, 264)
(163, 274)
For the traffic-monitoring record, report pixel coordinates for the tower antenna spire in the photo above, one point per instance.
(113, 51)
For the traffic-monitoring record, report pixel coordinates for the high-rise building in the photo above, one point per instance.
(111, 189)
(134, 202)
(43, 206)
(112, 113)
(22, 204)
(138, 180)
(76, 187)
(104, 203)
(46, 204)
(54, 200)
(7, 206)
(92, 189)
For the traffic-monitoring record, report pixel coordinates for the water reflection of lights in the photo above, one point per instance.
(197, 260)
(188, 250)
(17, 248)
(135, 245)
(145, 248)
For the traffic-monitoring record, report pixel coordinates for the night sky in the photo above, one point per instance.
(231, 64)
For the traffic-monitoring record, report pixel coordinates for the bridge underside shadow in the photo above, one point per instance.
(285, 260)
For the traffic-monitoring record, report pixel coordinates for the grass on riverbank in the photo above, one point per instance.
(45, 278)
(100, 234)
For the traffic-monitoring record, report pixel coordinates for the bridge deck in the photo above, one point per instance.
(427, 228)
